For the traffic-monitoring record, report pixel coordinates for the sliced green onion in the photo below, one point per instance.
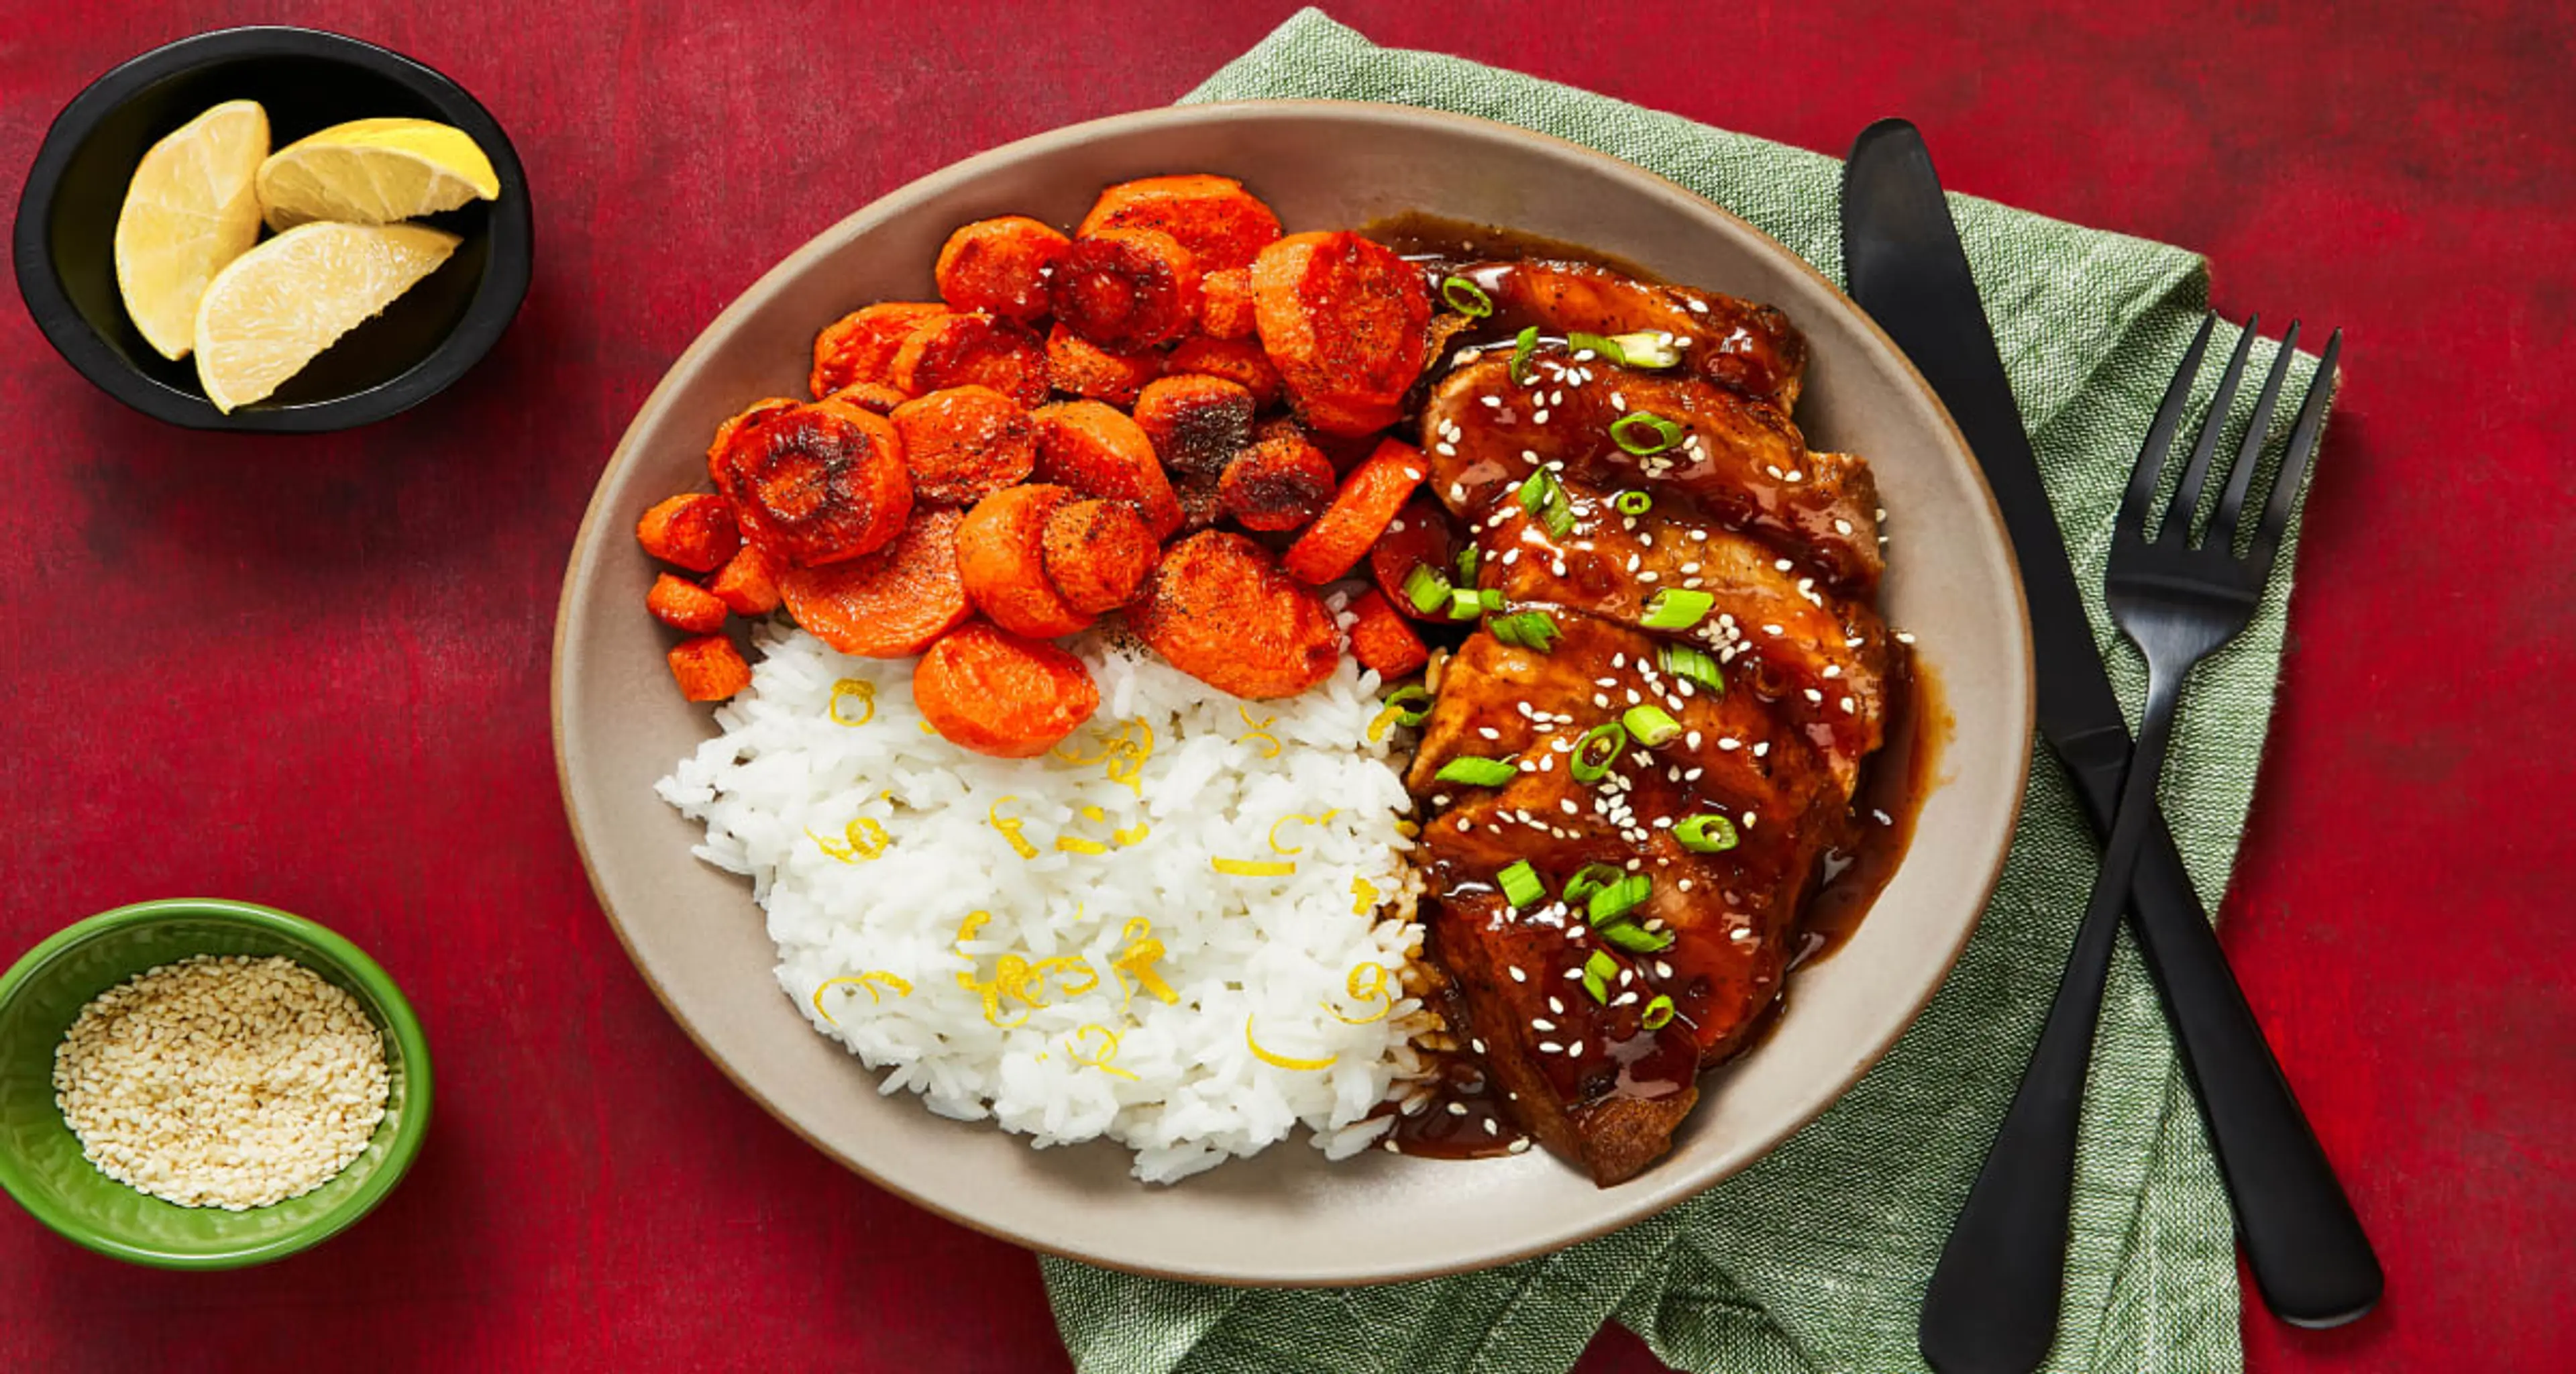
(1466, 297)
(1677, 608)
(1658, 1013)
(1520, 883)
(1467, 562)
(1633, 502)
(1534, 491)
(1706, 833)
(1645, 349)
(1465, 603)
(1596, 749)
(1638, 939)
(1642, 432)
(1406, 700)
(1558, 517)
(1529, 629)
(1650, 725)
(1522, 348)
(1477, 772)
(1426, 588)
(1613, 903)
(1606, 347)
(1491, 598)
(1597, 973)
(1683, 661)
(1589, 879)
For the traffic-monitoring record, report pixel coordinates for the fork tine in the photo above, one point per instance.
(2186, 498)
(2295, 459)
(2231, 502)
(2160, 435)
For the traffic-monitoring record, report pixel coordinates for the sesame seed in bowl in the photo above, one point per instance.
(203, 1084)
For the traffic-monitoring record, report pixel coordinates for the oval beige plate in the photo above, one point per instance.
(1287, 1216)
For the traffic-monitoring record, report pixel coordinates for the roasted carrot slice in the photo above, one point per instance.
(877, 398)
(1197, 423)
(1225, 303)
(989, 690)
(1239, 361)
(893, 603)
(972, 350)
(734, 423)
(1360, 512)
(1277, 484)
(813, 484)
(1222, 224)
(1345, 321)
(1084, 368)
(964, 443)
(1098, 553)
(860, 346)
(1096, 450)
(1380, 639)
(1221, 610)
(1001, 557)
(1127, 289)
(1201, 505)
(746, 583)
(999, 266)
(696, 532)
(709, 668)
(1418, 537)
(684, 605)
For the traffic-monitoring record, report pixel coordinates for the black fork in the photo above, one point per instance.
(1992, 1305)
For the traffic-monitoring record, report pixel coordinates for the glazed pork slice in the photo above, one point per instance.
(1584, 1073)
(1822, 660)
(1737, 344)
(1741, 460)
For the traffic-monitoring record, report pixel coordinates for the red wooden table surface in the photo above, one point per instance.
(312, 672)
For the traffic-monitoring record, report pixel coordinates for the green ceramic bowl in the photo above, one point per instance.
(40, 1159)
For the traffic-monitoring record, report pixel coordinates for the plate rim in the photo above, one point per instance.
(1631, 1207)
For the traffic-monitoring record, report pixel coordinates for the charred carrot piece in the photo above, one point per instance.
(1085, 369)
(1001, 559)
(972, 350)
(708, 668)
(696, 532)
(1098, 553)
(1381, 640)
(860, 346)
(1239, 361)
(1197, 423)
(746, 583)
(1225, 303)
(991, 691)
(1345, 321)
(1126, 289)
(877, 398)
(1360, 512)
(999, 266)
(1277, 484)
(893, 603)
(733, 425)
(684, 605)
(1418, 537)
(1097, 451)
(813, 484)
(1222, 224)
(965, 443)
(1219, 608)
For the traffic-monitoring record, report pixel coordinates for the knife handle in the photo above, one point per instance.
(2311, 1260)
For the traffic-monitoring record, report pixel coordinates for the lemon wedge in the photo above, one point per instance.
(188, 211)
(279, 305)
(374, 171)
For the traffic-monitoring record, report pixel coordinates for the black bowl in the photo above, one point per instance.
(308, 80)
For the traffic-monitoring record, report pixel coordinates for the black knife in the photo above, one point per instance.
(1901, 255)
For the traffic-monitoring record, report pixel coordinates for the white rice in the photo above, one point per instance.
(870, 844)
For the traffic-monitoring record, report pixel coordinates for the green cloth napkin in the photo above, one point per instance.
(1816, 1258)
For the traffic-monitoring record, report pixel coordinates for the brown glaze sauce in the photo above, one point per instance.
(1463, 1116)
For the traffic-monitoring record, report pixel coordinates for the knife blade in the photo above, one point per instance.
(2311, 1260)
